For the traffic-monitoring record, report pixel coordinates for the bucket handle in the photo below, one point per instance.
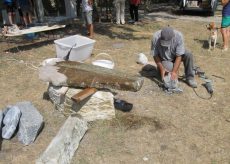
(66, 58)
(105, 55)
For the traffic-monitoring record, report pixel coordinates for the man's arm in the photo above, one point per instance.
(155, 52)
(160, 66)
(224, 2)
(176, 68)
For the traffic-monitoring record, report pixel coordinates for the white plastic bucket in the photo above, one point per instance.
(82, 47)
(106, 63)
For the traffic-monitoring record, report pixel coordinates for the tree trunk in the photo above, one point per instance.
(85, 75)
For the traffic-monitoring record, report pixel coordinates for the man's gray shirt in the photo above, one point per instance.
(176, 47)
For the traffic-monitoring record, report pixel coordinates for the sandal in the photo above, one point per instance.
(224, 49)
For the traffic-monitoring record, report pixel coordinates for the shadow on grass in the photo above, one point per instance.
(44, 38)
(149, 71)
(29, 46)
(128, 33)
(1, 142)
(205, 43)
(128, 121)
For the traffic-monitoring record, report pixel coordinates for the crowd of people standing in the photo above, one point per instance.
(25, 10)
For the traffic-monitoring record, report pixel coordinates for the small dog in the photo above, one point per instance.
(212, 36)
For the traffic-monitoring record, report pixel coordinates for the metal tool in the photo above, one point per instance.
(208, 86)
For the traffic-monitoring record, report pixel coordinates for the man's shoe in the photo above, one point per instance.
(192, 83)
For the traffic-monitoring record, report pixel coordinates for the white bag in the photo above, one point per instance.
(142, 59)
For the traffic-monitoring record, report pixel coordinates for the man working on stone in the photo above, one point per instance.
(167, 48)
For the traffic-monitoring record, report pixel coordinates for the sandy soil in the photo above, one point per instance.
(161, 128)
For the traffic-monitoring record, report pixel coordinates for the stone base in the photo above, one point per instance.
(97, 106)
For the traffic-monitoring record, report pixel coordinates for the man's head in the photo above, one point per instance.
(167, 34)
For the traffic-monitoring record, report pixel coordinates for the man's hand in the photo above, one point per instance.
(173, 75)
(160, 66)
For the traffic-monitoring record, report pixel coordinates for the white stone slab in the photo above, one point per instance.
(63, 146)
(98, 106)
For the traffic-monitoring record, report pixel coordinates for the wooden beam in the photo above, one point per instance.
(83, 94)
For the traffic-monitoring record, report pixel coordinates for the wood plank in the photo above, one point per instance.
(83, 94)
(34, 30)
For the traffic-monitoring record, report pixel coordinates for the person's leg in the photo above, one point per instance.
(89, 22)
(136, 13)
(225, 31)
(225, 36)
(11, 17)
(168, 65)
(21, 16)
(228, 33)
(189, 69)
(131, 11)
(122, 7)
(78, 8)
(11, 14)
(90, 29)
(29, 17)
(118, 12)
(25, 18)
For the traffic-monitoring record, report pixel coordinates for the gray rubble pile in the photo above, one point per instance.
(23, 116)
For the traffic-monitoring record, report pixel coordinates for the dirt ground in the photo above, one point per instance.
(161, 128)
